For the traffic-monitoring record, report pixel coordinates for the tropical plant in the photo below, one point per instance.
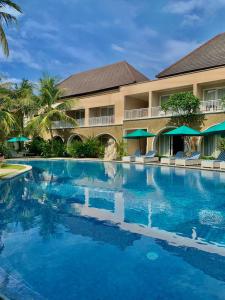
(185, 107)
(24, 102)
(7, 119)
(91, 148)
(221, 144)
(121, 149)
(7, 19)
(51, 109)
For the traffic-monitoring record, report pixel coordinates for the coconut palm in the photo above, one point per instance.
(24, 102)
(7, 119)
(51, 108)
(7, 19)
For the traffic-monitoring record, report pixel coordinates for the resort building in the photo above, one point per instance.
(117, 99)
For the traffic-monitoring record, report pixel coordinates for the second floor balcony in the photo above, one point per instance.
(102, 120)
(67, 125)
(139, 113)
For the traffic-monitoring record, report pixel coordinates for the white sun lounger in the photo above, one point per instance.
(131, 157)
(149, 157)
(171, 160)
(216, 163)
(189, 161)
(222, 165)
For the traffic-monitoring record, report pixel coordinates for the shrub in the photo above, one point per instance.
(221, 144)
(121, 149)
(5, 150)
(36, 145)
(90, 148)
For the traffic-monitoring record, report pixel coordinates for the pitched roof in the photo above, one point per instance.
(209, 55)
(100, 79)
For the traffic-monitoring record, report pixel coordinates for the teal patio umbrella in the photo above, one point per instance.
(18, 139)
(138, 134)
(183, 131)
(216, 129)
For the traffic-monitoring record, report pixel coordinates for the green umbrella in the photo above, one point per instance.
(138, 134)
(18, 139)
(183, 131)
(219, 128)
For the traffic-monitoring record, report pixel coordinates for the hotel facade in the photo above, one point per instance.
(117, 99)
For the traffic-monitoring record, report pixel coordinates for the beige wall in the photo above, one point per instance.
(139, 95)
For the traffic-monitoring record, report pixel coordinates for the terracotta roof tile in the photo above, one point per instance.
(100, 79)
(209, 55)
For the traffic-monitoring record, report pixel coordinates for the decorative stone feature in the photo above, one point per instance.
(110, 150)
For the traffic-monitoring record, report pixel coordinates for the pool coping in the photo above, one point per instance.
(17, 173)
(198, 167)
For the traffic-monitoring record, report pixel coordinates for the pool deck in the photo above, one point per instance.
(198, 167)
(11, 173)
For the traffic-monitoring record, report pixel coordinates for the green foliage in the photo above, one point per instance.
(7, 17)
(121, 149)
(90, 148)
(39, 146)
(51, 110)
(5, 150)
(184, 106)
(35, 145)
(221, 144)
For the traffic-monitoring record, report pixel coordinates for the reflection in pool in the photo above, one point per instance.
(87, 230)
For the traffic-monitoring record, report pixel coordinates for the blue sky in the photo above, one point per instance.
(62, 37)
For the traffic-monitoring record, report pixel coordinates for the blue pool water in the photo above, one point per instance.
(86, 230)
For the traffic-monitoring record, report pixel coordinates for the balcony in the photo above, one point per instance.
(66, 125)
(102, 120)
(211, 106)
(139, 113)
(157, 111)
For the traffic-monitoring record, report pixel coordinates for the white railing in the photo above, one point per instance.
(103, 120)
(211, 106)
(157, 111)
(67, 125)
(138, 113)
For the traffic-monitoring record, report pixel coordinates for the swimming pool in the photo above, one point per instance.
(88, 230)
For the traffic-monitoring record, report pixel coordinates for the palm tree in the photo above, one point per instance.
(7, 119)
(51, 108)
(24, 102)
(7, 18)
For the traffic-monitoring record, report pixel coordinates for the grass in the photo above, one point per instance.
(8, 167)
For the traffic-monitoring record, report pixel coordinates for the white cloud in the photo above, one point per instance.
(175, 49)
(117, 48)
(191, 19)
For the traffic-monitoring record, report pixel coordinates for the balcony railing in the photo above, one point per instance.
(66, 125)
(103, 120)
(157, 111)
(211, 106)
(138, 113)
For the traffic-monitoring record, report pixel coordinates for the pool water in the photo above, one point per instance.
(89, 230)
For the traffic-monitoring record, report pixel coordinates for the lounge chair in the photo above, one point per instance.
(215, 163)
(219, 162)
(222, 165)
(190, 160)
(171, 160)
(131, 157)
(149, 157)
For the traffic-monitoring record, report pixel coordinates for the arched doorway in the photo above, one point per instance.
(73, 138)
(103, 138)
(58, 139)
(168, 145)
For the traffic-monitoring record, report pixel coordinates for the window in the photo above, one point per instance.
(164, 99)
(210, 95)
(214, 94)
(221, 93)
